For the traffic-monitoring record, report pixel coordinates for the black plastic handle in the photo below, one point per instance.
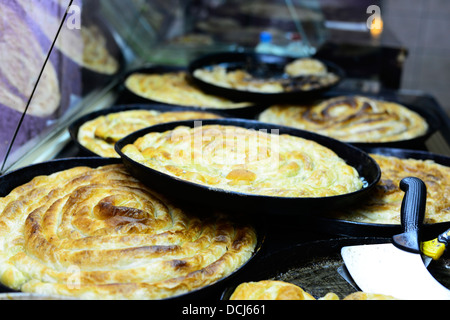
(412, 214)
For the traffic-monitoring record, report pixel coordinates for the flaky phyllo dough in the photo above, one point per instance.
(351, 119)
(99, 135)
(101, 234)
(246, 161)
(384, 201)
(281, 290)
(175, 88)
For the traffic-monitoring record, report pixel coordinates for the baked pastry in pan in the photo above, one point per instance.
(305, 66)
(302, 75)
(98, 233)
(237, 79)
(100, 134)
(269, 290)
(368, 296)
(232, 158)
(384, 201)
(281, 290)
(351, 119)
(175, 88)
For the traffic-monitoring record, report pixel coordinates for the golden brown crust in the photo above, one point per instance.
(384, 202)
(247, 161)
(281, 290)
(173, 88)
(95, 51)
(305, 66)
(269, 290)
(237, 79)
(368, 296)
(351, 119)
(311, 72)
(100, 134)
(101, 234)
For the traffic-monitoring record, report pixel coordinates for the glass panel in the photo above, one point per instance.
(34, 100)
(101, 39)
(176, 31)
(23, 52)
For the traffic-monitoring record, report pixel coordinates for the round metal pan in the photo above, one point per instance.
(75, 126)
(313, 267)
(129, 97)
(417, 143)
(269, 65)
(249, 203)
(23, 175)
(359, 229)
(430, 117)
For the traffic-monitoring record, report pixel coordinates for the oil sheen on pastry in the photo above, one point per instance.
(98, 233)
(174, 88)
(100, 134)
(247, 161)
(351, 119)
(384, 201)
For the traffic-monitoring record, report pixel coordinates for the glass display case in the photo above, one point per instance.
(57, 58)
(68, 57)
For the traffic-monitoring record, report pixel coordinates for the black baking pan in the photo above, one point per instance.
(359, 229)
(249, 203)
(23, 175)
(430, 117)
(75, 126)
(261, 65)
(129, 97)
(418, 143)
(313, 266)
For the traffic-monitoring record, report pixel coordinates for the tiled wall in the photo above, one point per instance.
(423, 26)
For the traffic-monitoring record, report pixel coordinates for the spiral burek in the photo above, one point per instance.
(351, 119)
(100, 233)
